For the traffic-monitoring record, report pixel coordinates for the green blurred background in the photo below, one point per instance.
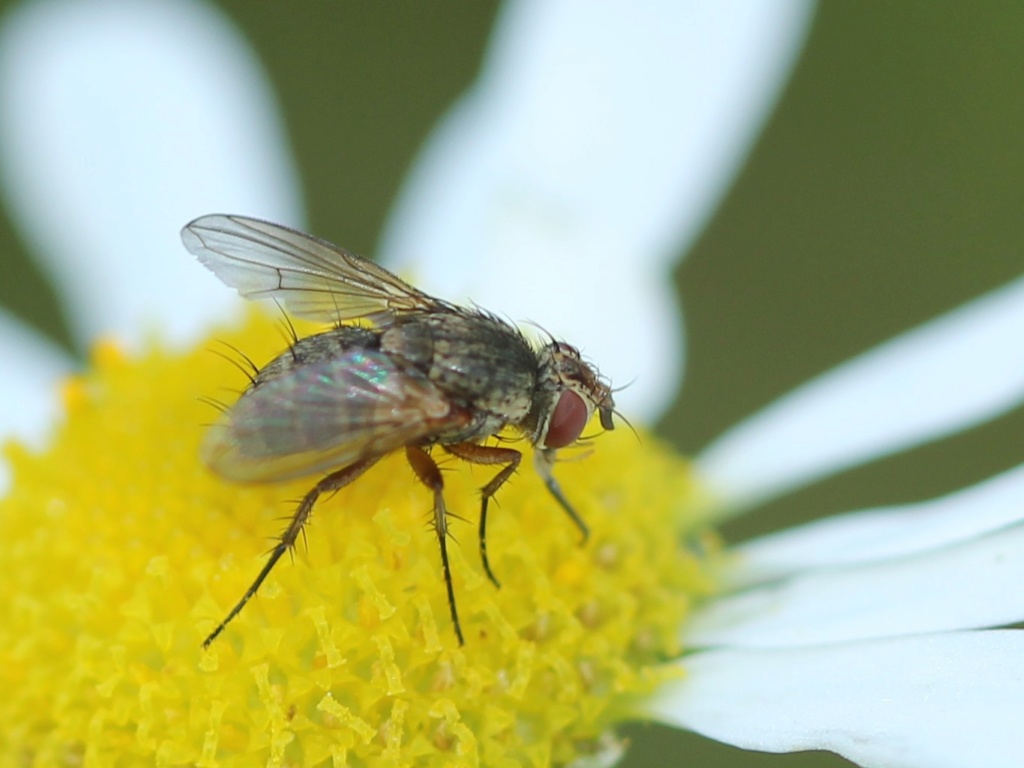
(886, 188)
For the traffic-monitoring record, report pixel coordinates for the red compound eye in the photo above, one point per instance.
(567, 420)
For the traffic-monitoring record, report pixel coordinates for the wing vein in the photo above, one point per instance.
(310, 277)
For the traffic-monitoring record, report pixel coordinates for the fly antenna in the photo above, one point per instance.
(628, 424)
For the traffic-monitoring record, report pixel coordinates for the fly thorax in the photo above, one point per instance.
(479, 361)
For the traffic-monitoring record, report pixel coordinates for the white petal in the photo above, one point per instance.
(119, 122)
(877, 534)
(949, 374)
(32, 366)
(593, 147)
(946, 701)
(971, 585)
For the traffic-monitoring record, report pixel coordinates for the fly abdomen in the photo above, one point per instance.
(329, 345)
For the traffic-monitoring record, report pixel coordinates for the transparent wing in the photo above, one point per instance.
(324, 416)
(310, 277)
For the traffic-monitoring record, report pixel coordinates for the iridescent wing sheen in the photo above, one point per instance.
(324, 416)
(310, 277)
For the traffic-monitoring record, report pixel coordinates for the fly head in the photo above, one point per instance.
(569, 390)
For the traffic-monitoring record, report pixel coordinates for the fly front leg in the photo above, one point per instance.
(544, 461)
(429, 473)
(488, 455)
(333, 482)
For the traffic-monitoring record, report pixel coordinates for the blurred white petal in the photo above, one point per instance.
(32, 366)
(119, 122)
(947, 375)
(970, 585)
(596, 142)
(946, 701)
(877, 534)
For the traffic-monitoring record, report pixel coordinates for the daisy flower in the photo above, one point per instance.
(874, 634)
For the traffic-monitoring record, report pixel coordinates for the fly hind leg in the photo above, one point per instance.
(333, 482)
(429, 473)
(488, 455)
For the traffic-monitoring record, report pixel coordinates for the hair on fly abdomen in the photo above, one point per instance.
(219, 405)
(241, 361)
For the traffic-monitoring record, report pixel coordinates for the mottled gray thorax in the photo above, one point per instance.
(476, 359)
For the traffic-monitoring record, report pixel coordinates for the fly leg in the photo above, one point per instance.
(333, 482)
(544, 461)
(488, 455)
(427, 471)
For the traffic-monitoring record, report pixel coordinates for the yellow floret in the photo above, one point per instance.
(121, 552)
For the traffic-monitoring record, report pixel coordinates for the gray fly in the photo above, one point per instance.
(424, 373)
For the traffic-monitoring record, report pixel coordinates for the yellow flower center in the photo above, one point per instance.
(121, 552)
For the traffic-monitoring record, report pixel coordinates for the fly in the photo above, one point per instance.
(424, 374)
